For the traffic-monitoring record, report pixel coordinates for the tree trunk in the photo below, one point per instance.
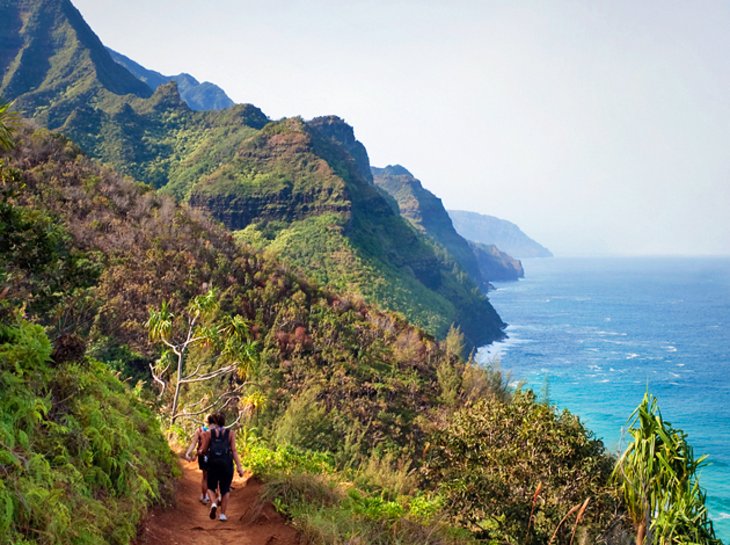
(641, 533)
(178, 384)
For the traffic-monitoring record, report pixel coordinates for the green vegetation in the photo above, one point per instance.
(6, 138)
(375, 503)
(334, 374)
(245, 170)
(226, 340)
(80, 457)
(375, 431)
(657, 477)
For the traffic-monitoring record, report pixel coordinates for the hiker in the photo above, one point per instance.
(220, 445)
(196, 443)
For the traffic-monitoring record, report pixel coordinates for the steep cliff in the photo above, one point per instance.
(505, 235)
(496, 265)
(426, 212)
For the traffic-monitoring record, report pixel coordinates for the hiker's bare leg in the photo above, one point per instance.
(224, 503)
(204, 484)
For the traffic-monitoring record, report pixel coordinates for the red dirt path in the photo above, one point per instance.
(187, 522)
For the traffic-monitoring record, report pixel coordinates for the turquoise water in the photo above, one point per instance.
(593, 333)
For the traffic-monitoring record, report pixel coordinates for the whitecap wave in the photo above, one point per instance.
(632, 356)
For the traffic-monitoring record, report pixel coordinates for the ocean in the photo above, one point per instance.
(592, 334)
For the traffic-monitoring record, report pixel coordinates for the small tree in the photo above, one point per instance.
(657, 479)
(231, 348)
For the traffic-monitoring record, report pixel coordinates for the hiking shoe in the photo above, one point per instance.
(213, 509)
(204, 500)
(222, 518)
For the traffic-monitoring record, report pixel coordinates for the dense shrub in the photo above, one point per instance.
(490, 457)
(80, 458)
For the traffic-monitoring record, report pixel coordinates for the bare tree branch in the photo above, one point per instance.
(208, 376)
(157, 379)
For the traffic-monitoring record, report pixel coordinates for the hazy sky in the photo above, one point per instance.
(598, 127)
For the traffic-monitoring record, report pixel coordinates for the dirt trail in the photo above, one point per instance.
(187, 523)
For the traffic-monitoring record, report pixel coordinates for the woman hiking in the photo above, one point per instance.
(220, 446)
(196, 444)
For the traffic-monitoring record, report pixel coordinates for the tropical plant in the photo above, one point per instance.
(657, 478)
(6, 127)
(234, 352)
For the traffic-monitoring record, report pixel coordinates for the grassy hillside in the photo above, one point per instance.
(333, 379)
(248, 172)
(82, 456)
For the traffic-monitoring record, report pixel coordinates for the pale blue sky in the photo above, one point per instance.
(598, 127)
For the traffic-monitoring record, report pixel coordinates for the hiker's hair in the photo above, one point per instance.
(221, 419)
(211, 419)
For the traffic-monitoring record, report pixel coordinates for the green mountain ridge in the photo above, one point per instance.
(89, 253)
(198, 96)
(53, 62)
(427, 214)
(301, 190)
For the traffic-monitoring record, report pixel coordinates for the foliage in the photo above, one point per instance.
(328, 507)
(488, 459)
(6, 128)
(334, 373)
(657, 478)
(227, 345)
(80, 458)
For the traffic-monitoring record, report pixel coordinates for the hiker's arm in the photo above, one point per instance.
(192, 444)
(235, 454)
(204, 443)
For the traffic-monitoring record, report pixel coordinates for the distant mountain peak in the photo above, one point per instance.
(504, 234)
(198, 96)
(395, 170)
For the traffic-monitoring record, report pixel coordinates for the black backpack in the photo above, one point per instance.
(220, 445)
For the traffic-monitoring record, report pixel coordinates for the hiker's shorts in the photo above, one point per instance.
(203, 462)
(220, 474)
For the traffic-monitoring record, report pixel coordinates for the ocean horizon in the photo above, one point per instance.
(592, 334)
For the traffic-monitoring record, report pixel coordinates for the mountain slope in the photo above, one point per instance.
(426, 212)
(199, 96)
(495, 264)
(302, 190)
(335, 380)
(52, 61)
(507, 236)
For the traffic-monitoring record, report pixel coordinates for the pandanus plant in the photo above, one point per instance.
(657, 479)
(7, 120)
